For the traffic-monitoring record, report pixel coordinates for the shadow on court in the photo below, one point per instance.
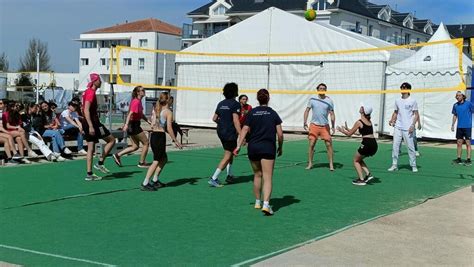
(242, 179)
(278, 203)
(119, 175)
(326, 165)
(183, 181)
(374, 181)
(408, 167)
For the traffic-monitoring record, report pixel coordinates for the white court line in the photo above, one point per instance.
(306, 242)
(55, 255)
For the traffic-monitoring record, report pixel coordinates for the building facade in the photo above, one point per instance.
(135, 66)
(359, 16)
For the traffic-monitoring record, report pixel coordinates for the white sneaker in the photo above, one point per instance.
(67, 151)
(393, 168)
(82, 152)
(32, 154)
(414, 169)
(417, 153)
(56, 154)
(60, 159)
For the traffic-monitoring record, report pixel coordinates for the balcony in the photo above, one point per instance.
(190, 33)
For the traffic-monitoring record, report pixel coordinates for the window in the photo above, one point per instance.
(141, 63)
(127, 61)
(219, 11)
(371, 30)
(143, 42)
(89, 44)
(358, 29)
(109, 43)
(84, 61)
(103, 61)
(320, 5)
(407, 38)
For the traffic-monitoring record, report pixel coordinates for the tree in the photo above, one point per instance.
(4, 62)
(28, 61)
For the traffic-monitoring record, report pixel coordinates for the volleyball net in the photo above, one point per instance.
(437, 66)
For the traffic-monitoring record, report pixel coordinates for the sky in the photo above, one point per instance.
(58, 22)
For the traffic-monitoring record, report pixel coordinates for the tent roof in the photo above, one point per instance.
(440, 58)
(276, 31)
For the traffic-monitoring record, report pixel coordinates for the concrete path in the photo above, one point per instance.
(438, 232)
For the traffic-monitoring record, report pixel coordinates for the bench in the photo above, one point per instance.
(185, 132)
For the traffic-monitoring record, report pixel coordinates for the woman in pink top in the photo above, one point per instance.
(134, 130)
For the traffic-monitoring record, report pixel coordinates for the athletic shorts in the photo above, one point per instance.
(318, 131)
(134, 128)
(100, 132)
(368, 147)
(464, 133)
(158, 145)
(229, 145)
(260, 156)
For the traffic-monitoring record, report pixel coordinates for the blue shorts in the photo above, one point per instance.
(464, 133)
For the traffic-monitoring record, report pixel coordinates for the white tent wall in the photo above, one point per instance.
(441, 71)
(275, 31)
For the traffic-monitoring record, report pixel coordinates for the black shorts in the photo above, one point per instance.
(260, 156)
(158, 145)
(100, 132)
(229, 145)
(464, 133)
(134, 128)
(368, 147)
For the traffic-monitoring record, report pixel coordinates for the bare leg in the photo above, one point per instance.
(468, 148)
(459, 147)
(159, 168)
(110, 144)
(6, 146)
(267, 173)
(357, 165)
(364, 167)
(150, 172)
(257, 178)
(144, 140)
(228, 157)
(90, 155)
(312, 143)
(130, 149)
(330, 152)
(21, 148)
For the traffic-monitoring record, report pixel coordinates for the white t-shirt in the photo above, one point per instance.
(66, 113)
(406, 112)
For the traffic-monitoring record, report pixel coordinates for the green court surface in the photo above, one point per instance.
(50, 216)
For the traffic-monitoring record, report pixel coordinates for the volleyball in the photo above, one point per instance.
(310, 14)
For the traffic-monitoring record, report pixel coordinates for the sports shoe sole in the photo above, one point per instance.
(117, 161)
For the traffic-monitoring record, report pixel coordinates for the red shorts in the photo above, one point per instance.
(318, 131)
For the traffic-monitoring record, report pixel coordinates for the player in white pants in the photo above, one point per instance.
(404, 118)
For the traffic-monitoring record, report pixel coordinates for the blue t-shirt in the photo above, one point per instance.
(321, 108)
(225, 122)
(262, 122)
(464, 113)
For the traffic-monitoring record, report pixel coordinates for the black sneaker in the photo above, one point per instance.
(358, 182)
(468, 162)
(457, 161)
(157, 184)
(230, 179)
(148, 187)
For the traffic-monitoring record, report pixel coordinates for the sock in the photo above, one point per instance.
(101, 162)
(229, 169)
(156, 179)
(258, 202)
(89, 173)
(216, 174)
(266, 203)
(145, 184)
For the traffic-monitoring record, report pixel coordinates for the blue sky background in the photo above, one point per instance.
(58, 22)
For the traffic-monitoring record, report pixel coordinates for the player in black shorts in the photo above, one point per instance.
(367, 148)
(228, 128)
(161, 119)
(94, 129)
(263, 125)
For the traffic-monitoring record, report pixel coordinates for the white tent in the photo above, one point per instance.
(276, 31)
(432, 67)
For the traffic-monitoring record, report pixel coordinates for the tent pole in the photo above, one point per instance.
(382, 103)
